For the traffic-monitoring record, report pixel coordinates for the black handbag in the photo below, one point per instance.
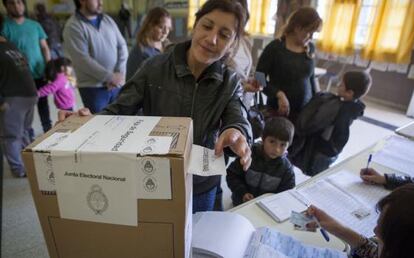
(256, 117)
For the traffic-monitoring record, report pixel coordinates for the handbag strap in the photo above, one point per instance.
(258, 99)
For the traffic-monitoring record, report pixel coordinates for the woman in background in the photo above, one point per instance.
(241, 61)
(151, 39)
(289, 64)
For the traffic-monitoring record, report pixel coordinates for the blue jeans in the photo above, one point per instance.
(97, 99)
(204, 201)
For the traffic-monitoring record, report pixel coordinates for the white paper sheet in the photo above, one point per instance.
(120, 134)
(223, 234)
(159, 145)
(397, 154)
(369, 195)
(281, 205)
(153, 178)
(43, 161)
(340, 205)
(98, 187)
(204, 162)
(269, 243)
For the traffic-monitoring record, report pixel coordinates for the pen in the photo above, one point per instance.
(369, 161)
(323, 231)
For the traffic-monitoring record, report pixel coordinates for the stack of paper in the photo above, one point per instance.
(397, 154)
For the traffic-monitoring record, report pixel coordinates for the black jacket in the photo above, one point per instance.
(263, 176)
(290, 72)
(325, 145)
(165, 86)
(393, 181)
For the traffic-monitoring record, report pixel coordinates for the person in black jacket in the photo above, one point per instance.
(316, 152)
(389, 181)
(192, 81)
(289, 64)
(271, 171)
(18, 97)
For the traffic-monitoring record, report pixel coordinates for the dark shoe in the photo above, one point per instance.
(19, 174)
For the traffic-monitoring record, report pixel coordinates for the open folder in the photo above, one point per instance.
(230, 235)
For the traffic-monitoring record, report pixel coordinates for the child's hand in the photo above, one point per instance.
(247, 197)
(371, 176)
(63, 114)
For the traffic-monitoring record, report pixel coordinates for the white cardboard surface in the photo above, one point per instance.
(98, 187)
(43, 161)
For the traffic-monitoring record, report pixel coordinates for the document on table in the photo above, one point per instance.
(269, 243)
(355, 209)
(280, 206)
(397, 154)
(230, 235)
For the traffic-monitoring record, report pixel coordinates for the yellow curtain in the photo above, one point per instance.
(392, 36)
(338, 31)
(259, 14)
(193, 6)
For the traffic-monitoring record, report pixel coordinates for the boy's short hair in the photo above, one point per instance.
(357, 81)
(279, 128)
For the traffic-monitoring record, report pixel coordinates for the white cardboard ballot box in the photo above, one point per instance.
(114, 186)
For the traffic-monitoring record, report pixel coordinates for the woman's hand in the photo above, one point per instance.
(234, 139)
(326, 221)
(283, 104)
(63, 114)
(334, 227)
(371, 176)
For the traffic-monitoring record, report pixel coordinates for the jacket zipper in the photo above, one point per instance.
(193, 102)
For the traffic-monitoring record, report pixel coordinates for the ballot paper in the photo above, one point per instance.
(204, 162)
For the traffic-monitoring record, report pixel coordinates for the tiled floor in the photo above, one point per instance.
(21, 233)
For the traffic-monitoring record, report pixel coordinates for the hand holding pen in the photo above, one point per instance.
(320, 217)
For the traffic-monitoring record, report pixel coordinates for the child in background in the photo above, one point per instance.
(315, 152)
(270, 171)
(60, 83)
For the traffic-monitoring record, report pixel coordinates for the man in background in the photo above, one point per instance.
(98, 51)
(29, 37)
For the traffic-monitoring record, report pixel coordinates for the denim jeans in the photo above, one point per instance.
(204, 201)
(97, 99)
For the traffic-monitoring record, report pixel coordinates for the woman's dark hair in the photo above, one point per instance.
(53, 67)
(153, 18)
(77, 4)
(396, 225)
(227, 6)
(305, 18)
(246, 8)
(41, 13)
